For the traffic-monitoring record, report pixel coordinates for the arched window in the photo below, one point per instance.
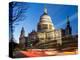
(44, 26)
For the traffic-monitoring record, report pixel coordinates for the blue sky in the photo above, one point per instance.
(58, 14)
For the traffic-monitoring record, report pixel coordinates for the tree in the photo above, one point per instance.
(16, 14)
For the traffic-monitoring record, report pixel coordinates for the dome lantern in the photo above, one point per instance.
(45, 10)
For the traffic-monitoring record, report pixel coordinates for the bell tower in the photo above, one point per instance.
(22, 38)
(22, 33)
(68, 27)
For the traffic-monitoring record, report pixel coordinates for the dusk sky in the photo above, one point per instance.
(58, 14)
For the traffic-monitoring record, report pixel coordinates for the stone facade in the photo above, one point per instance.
(47, 36)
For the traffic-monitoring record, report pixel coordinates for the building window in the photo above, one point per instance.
(44, 26)
(39, 27)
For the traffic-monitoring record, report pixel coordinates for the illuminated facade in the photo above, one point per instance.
(47, 36)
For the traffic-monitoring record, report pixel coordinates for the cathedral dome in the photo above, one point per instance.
(45, 18)
(45, 23)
